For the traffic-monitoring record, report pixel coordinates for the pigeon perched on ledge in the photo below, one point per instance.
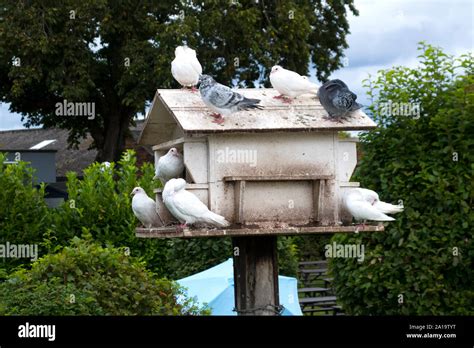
(169, 166)
(337, 99)
(290, 84)
(144, 208)
(364, 204)
(185, 67)
(188, 208)
(223, 100)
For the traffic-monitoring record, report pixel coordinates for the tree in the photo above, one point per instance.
(113, 55)
(421, 153)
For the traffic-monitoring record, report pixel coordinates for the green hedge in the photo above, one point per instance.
(428, 162)
(100, 203)
(24, 215)
(87, 279)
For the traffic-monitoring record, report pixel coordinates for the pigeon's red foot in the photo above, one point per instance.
(181, 227)
(284, 99)
(193, 89)
(360, 227)
(218, 118)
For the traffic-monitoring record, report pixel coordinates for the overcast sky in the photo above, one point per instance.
(384, 34)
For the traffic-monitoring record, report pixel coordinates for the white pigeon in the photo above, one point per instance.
(185, 67)
(169, 166)
(290, 84)
(188, 208)
(364, 204)
(144, 208)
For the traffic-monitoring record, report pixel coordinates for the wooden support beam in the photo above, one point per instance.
(316, 199)
(239, 201)
(256, 275)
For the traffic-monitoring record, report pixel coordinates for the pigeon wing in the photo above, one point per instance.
(196, 65)
(223, 97)
(363, 210)
(296, 82)
(188, 204)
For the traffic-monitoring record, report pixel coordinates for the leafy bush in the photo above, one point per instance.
(428, 163)
(311, 247)
(23, 212)
(87, 279)
(288, 256)
(101, 203)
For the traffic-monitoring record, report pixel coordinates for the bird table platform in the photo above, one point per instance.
(280, 170)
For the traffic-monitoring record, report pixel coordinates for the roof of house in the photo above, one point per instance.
(75, 160)
(66, 159)
(176, 112)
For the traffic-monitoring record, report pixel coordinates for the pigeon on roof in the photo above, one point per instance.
(337, 99)
(222, 99)
(185, 67)
(290, 84)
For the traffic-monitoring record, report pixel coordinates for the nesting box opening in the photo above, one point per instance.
(279, 170)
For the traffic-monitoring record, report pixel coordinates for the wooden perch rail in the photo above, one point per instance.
(170, 231)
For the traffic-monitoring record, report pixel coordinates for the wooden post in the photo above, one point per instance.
(256, 275)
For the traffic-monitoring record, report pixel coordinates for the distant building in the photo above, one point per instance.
(48, 152)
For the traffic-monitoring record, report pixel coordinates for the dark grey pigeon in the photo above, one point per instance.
(337, 99)
(223, 100)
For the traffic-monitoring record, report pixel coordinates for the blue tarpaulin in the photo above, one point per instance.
(215, 286)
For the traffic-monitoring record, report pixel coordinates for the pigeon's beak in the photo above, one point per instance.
(131, 193)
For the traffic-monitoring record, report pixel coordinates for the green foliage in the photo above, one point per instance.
(101, 204)
(23, 211)
(188, 256)
(311, 247)
(288, 254)
(87, 279)
(57, 44)
(428, 163)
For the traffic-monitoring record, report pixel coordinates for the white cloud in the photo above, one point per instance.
(386, 33)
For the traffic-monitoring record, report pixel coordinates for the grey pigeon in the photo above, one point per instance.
(337, 99)
(223, 100)
(169, 166)
(144, 208)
